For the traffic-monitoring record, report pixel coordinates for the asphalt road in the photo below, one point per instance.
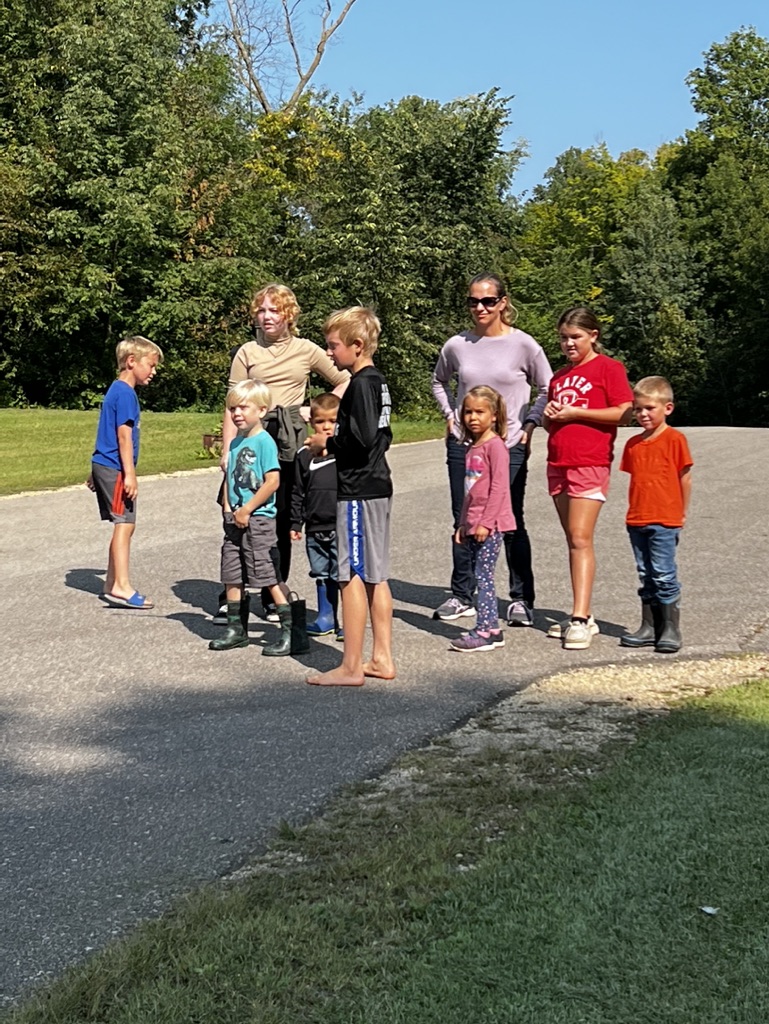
(137, 764)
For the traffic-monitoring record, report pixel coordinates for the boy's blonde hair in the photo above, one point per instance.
(323, 403)
(285, 303)
(255, 391)
(356, 323)
(138, 347)
(496, 404)
(657, 388)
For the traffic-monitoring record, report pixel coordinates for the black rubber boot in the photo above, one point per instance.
(669, 640)
(282, 646)
(333, 599)
(245, 608)
(650, 628)
(234, 635)
(300, 643)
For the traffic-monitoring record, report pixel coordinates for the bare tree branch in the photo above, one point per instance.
(288, 15)
(244, 53)
(320, 49)
(267, 42)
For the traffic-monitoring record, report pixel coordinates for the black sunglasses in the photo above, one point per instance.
(488, 301)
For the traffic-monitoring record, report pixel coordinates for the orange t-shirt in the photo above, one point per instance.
(655, 487)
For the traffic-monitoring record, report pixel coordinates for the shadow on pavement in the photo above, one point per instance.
(88, 580)
(417, 593)
(201, 594)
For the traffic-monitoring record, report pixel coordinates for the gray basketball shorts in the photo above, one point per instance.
(246, 554)
(114, 504)
(363, 539)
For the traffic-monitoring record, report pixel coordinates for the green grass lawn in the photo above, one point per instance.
(579, 903)
(47, 448)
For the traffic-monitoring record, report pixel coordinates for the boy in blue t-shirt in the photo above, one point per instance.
(250, 541)
(113, 464)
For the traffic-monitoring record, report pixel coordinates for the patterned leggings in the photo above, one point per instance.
(484, 560)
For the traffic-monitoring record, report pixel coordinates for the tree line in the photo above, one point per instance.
(143, 188)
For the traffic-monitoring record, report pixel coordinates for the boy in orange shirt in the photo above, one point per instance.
(659, 465)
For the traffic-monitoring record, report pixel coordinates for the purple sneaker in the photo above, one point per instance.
(475, 641)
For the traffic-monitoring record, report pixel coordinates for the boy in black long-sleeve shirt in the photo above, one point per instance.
(364, 497)
(313, 504)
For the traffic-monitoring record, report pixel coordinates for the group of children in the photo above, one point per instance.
(343, 495)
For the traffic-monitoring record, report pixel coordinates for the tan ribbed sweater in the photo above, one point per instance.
(284, 367)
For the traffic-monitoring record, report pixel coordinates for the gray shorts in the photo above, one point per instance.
(363, 539)
(247, 554)
(114, 503)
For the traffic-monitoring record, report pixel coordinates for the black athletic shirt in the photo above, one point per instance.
(362, 438)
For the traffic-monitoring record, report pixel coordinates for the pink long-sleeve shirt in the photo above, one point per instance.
(487, 487)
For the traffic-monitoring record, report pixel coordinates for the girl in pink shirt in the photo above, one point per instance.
(487, 511)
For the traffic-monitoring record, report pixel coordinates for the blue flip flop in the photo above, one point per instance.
(136, 600)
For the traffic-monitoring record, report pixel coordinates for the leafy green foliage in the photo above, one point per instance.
(137, 196)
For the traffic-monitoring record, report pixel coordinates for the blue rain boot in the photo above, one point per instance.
(324, 622)
(332, 589)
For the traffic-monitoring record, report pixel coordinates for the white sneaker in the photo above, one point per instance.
(559, 628)
(577, 636)
(221, 616)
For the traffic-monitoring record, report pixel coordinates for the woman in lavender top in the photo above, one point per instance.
(495, 353)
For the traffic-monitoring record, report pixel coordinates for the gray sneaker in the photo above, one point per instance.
(519, 613)
(559, 628)
(453, 609)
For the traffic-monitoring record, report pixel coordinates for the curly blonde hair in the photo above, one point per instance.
(285, 302)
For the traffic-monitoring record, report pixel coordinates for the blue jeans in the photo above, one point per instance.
(654, 548)
(321, 554)
(517, 544)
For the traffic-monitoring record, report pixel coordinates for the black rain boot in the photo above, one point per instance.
(282, 646)
(333, 599)
(300, 643)
(650, 628)
(234, 635)
(669, 640)
(245, 608)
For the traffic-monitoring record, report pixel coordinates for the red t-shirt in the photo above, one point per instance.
(655, 465)
(599, 384)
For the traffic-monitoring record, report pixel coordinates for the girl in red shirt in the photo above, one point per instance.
(587, 400)
(487, 512)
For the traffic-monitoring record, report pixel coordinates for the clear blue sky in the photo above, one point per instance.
(581, 72)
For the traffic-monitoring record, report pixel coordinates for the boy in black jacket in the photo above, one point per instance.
(313, 503)
(364, 498)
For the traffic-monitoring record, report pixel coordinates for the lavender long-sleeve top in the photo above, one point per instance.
(511, 364)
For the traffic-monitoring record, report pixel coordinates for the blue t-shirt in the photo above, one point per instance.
(119, 408)
(250, 459)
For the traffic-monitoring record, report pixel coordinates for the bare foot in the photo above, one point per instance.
(376, 670)
(336, 677)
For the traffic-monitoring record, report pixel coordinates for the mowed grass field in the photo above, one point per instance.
(42, 449)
